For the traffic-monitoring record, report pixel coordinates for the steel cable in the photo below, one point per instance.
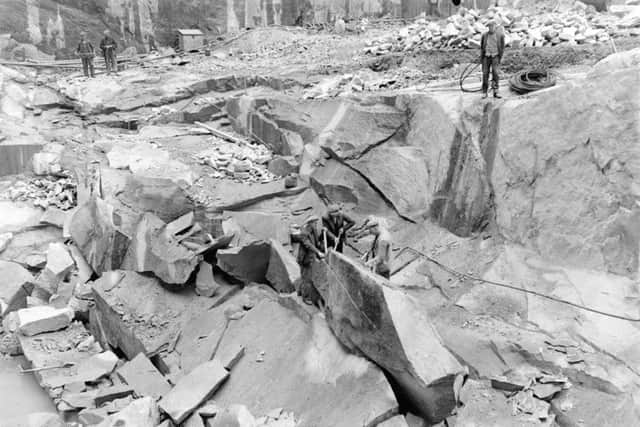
(515, 288)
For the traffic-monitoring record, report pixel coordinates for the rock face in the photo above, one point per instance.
(363, 312)
(566, 186)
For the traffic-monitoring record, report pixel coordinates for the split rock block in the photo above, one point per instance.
(247, 263)
(388, 326)
(283, 272)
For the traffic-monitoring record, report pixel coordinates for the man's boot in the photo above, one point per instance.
(484, 95)
(496, 94)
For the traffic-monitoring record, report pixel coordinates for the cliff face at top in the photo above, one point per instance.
(53, 26)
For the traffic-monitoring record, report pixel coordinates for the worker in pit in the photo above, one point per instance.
(491, 50)
(309, 237)
(379, 256)
(336, 224)
(86, 53)
(108, 46)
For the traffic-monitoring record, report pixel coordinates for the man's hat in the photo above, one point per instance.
(333, 208)
(106, 32)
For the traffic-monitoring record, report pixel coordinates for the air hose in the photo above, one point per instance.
(531, 80)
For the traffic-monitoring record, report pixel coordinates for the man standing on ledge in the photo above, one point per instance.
(108, 46)
(85, 52)
(491, 50)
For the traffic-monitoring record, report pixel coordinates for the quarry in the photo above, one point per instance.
(150, 222)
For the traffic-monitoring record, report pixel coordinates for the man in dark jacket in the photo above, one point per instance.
(310, 240)
(336, 223)
(491, 50)
(86, 53)
(108, 46)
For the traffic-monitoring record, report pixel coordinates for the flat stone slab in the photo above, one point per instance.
(292, 361)
(144, 378)
(139, 315)
(193, 389)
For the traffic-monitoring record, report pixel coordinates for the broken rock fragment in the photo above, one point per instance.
(388, 327)
(144, 378)
(5, 239)
(139, 413)
(153, 250)
(14, 284)
(234, 415)
(193, 389)
(59, 262)
(39, 319)
(247, 263)
(283, 272)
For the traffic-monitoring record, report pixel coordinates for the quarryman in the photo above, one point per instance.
(310, 239)
(86, 53)
(491, 50)
(108, 46)
(379, 256)
(336, 225)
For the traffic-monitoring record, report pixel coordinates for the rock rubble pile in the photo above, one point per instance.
(578, 25)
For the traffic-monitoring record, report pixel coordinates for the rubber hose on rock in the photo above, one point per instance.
(531, 80)
(470, 68)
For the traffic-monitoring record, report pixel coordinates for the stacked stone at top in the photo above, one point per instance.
(578, 25)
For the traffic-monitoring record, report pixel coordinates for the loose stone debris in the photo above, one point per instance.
(158, 262)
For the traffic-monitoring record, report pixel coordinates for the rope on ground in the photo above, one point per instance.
(531, 80)
(470, 68)
(515, 288)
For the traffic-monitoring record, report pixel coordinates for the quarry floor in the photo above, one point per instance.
(147, 121)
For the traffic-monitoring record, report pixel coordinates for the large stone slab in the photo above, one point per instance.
(40, 319)
(193, 389)
(247, 263)
(249, 226)
(400, 174)
(390, 328)
(293, 361)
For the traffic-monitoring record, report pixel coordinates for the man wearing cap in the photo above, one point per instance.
(380, 252)
(336, 224)
(108, 46)
(86, 53)
(310, 240)
(491, 50)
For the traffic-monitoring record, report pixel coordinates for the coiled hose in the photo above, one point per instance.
(531, 80)
(470, 68)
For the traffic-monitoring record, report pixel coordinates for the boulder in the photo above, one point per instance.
(59, 262)
(544, 168)
(93, 229)
(206, 285)
(317, 379)
(247, 263)
(283, 272)
(14, 287)
(39, 319)
(283, 165)
(364, 312)
(153, 250)
(193, 389)
(139, 413)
